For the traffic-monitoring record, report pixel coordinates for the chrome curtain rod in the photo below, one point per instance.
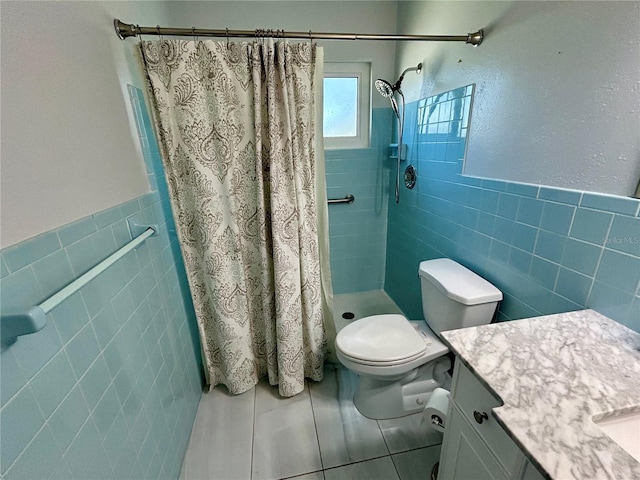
(126, 30)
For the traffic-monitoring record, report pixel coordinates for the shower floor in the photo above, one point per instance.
(361, 304)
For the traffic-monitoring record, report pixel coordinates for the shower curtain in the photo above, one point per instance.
(238, 135)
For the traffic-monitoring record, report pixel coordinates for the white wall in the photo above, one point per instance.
(67, 145)
(318, 16)
(558, 87)
(68, 148)
(557, 100)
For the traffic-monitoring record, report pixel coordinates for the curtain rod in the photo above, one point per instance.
(126, 30)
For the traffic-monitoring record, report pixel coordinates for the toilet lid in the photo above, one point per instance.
(380, 338)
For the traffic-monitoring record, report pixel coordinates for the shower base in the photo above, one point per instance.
(349, 307)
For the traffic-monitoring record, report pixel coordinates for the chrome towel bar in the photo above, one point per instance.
(12, 325)
(348, 199)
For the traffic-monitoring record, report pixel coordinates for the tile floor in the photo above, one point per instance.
(316, 435)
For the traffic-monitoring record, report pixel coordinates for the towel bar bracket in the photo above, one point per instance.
(23, 323)
(136, 228)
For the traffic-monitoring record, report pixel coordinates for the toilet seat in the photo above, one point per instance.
(386, 341)
(371, 363)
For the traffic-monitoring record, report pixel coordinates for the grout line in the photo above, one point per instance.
(383, 437)
(593, 278)
(573, 217)
(417, 448)
(395, 467)
(357, 462)
(303, 475)
(315, 425)
(595, 272)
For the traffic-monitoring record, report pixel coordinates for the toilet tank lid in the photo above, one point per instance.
(458, 282)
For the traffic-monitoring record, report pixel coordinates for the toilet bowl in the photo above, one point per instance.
(401, 362)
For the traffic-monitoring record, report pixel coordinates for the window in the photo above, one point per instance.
(346, 105)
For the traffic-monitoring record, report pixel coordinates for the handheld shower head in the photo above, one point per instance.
(384, 87)
(387, 90)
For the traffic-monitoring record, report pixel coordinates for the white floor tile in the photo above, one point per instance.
(309, 476)
(378, 469)
(416, 464)
(408, 433)
(285, 442)
(344, 435)
(260, 435)
(222, 437)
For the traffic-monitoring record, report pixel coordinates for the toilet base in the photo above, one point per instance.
(382, 399)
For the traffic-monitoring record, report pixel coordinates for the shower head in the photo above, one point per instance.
(387, 90)
(384, 87)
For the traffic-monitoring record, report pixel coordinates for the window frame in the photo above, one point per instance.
(361, 71)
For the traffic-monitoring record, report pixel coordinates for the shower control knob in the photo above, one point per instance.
(480, 417)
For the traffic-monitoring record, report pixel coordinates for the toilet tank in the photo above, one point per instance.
(455, 297)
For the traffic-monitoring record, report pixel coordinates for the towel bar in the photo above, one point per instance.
(13, 325)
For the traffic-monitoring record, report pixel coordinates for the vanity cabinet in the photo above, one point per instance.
(475, 446)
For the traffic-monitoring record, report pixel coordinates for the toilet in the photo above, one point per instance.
(401, 362)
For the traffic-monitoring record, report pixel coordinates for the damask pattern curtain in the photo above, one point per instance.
(236, 124)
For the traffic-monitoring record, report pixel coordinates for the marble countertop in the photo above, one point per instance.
(554, 374)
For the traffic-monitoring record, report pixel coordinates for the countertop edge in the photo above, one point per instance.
(473, 347)
(495, 414)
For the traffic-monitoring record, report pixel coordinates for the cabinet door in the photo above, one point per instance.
(464, 455)
(529, 472)
(472, 397)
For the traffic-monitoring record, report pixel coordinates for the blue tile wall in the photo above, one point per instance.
(110, 387)
(548, 249)
(357, 231)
